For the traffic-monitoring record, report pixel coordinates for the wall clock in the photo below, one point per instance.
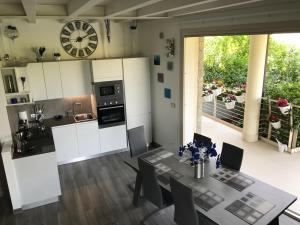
(78, 38)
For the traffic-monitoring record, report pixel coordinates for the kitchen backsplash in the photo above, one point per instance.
(51, 108)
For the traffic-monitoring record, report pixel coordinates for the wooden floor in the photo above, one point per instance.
(94, 192)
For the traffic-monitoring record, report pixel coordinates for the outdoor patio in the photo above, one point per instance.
(271, 166)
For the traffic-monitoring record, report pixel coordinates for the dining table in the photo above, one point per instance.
(225, 196)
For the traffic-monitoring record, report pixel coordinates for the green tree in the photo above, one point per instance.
(226, 59)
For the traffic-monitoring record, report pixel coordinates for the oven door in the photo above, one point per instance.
(111, 116)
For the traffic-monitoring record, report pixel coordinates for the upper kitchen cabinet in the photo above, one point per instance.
(75, 78)
(36, 81)
(52, 80)
(107, 70)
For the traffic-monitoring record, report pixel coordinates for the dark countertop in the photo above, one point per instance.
(41, 142)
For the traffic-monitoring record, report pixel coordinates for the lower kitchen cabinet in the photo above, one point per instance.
(113, 138)
(88, 139)
(65, 140)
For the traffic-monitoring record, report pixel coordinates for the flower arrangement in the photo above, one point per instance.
(275, 121)
(240, 95)
(239, 92)
(229, 98)
(283, 105)
(229, 101)
(198, 151)
(207, 95)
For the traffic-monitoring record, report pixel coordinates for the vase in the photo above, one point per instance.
(217, 91)
(285, 109)
(208, 98)
(276, 125)
(240, 99)
(199, 170)
(230, 105)
(281, 147)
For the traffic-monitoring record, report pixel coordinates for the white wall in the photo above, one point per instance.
(47, 32)
(165, 119)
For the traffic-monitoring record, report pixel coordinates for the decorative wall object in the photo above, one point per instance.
(11, 32)
(107, 26)
(168, 93)
(160, 77)
(170, 47)
(39, 52)
(78, 38)
(56, 56)
(161, 35)
(157, 60)
(170, 65)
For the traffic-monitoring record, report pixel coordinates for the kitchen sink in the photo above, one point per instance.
(84, 117)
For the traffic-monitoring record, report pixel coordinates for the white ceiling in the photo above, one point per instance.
(137, 9)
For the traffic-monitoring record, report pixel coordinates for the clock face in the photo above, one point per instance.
(78, 38)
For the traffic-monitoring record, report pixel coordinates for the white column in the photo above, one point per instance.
(255, 80)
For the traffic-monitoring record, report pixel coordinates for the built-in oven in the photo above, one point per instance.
(111, 116)
(110, 103)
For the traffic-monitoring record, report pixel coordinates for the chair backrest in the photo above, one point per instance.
(231, 156)
(152, 191)
(137, 141)
(185, 213)
(202, 139)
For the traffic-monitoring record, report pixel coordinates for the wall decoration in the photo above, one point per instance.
(168, 93)
(107, 27)
(170, 65)
(160, 77)
(39, 52)
(78, 38)
(157, 60)
(170, 47)
(56, 56)
(161, 35)
(11, 32)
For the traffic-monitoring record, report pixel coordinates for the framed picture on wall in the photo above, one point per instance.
(160, 77)
(170, 65)
(157, 60)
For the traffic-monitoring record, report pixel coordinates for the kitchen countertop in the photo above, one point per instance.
(42, 142)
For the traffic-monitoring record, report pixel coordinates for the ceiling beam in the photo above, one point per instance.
(119, 7)
(211, 7)
(170, 5)
(30, 10)
(78, 7)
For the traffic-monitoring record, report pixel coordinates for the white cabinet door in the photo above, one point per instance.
(113, 138)
(52, 80)
(36, 81)
(141, 120)
(107, 70)
(76, 78)
(88, 138)
(137, 86)
(65, 140)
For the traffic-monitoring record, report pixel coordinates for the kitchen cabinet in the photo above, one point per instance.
(75, 78)
(65, 140)
(88, 138)
(52, 80)
(137, 94)
(36, 80)
(113, 138)
(107, 70)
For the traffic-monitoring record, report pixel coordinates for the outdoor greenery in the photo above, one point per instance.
(226, 59)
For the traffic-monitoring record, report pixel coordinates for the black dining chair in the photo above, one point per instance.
(185, 212)
(231, 156)
(202, 139)
(152, 192)
(137, 141)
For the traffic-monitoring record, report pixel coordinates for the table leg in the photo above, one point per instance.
(137, 189)
(275, 221)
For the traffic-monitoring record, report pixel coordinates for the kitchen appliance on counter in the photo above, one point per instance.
(110, 103)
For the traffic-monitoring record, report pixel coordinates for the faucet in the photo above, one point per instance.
(75, 104)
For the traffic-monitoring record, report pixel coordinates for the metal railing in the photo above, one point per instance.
(217, 109)
(288, 133)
